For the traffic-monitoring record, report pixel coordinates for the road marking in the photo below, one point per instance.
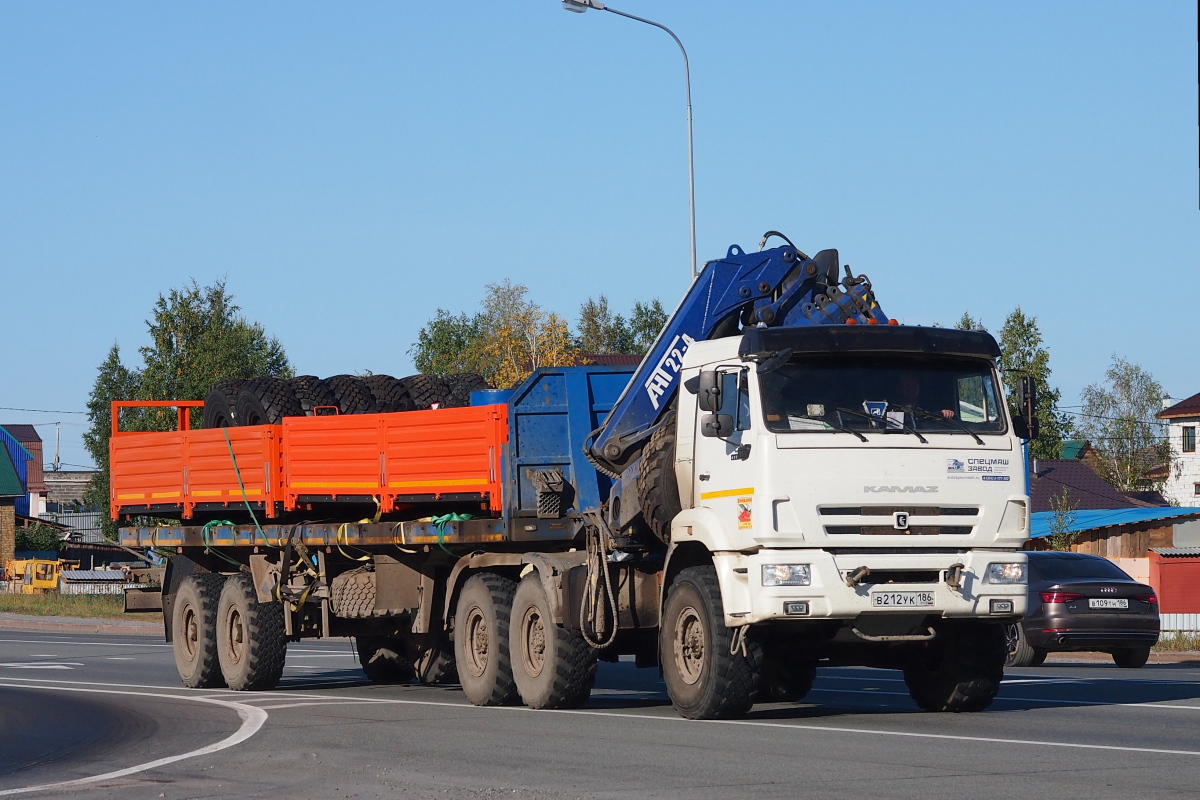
(42, 665)
(251, 716)
(119, 658)
(92, 644)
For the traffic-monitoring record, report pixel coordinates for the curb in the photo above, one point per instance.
(1105, 658)
(120, 627)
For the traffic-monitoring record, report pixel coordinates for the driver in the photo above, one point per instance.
(908, 389)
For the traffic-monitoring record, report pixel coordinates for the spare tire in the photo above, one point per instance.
(266, 401)
(220, 405)
(657, 486)
(312, 393)
(425, 390)
(460, 386)
(390, 394)
(353, 396)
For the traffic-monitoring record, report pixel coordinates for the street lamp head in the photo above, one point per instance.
(580, 6)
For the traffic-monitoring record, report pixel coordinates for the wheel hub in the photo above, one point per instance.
(533, 632)
(477, 637)
(191, 632)
(236, 631)
(689, 645)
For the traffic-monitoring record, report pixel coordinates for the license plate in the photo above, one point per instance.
(1107, 602)
(901, 599)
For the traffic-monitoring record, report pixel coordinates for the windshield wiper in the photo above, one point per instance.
(835, 426)
(917, 411)
(904, 426)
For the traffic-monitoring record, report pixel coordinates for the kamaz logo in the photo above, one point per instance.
(900, 489)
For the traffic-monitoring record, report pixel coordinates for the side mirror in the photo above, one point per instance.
(719, 426)
(1028, 391)
(709, 396)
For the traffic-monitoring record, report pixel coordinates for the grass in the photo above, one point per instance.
(91, 606)
(1179, 642)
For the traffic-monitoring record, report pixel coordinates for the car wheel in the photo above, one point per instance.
(1020, 652)
(1131, 657)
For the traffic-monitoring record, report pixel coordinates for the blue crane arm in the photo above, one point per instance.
(776, 287)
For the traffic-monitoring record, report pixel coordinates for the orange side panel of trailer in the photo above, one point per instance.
(183, 468)
(398, 457)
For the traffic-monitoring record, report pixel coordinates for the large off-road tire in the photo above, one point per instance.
(251, 643)
(353, 396)
(427, 391)
(382, 659)
(1131, 657)
(313, 393)
(194, 625)
(481, 640)
(553, 667)
(960, 669)
(459, 387)
(390, 394)
(220, 404)
(1020, 652)
(266, 401)
(432, 658)
(705, 680)
(657, 486)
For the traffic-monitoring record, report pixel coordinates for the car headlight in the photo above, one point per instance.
(1008, 572)
(786, 575)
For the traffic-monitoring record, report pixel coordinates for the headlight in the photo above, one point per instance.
(786, 575)
(1011, 572)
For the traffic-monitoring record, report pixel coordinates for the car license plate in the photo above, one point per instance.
(1107, 602)
(901, 599)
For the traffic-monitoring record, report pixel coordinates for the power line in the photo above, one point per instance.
(40, 410)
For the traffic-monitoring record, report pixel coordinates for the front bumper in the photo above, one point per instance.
(828, 597)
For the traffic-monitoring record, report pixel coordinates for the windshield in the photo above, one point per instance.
(1059, 568)
(882, 393)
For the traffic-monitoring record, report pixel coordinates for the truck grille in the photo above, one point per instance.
(887, 511)
(888, 530)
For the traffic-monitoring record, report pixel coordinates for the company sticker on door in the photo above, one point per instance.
(984, 469)
(745, 512)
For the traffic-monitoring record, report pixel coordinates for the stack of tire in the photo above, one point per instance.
(266, 401)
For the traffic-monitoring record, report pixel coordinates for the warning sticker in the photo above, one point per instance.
(745, 512)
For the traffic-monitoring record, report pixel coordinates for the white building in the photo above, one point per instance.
(1183, 486)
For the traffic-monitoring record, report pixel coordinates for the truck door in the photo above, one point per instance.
(723, 468)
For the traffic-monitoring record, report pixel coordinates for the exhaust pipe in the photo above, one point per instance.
(1061, 639)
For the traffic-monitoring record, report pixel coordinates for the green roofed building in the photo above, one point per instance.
(11, 489)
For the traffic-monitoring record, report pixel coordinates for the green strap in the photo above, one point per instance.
(242, 486)
(206, 531)
(440, 524)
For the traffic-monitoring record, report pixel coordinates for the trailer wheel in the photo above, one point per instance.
(382, 659)
(657, 486)
(425, 390)
(266, 401)
(251, 642)
(390, 394)
(705, 679)
(960, 670)
(312, 393)
(432, 658)
(481, 640)
(353, 396)
(220, 404)
(1019, 652)
(194, 623)
(553, 667)
(459, 387)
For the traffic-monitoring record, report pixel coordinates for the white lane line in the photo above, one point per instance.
(251, 716)
(42, 664)
(93, 644)
(1047, 701)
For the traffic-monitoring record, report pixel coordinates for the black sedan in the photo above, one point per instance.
(1081, 602)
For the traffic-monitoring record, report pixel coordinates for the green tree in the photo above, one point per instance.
(599, 330)
(449, 343)
(1022, 353)
(645, 323)
(1062, 520)
(39, 536)
(968, 323)
(197, 337)
(1118, 419)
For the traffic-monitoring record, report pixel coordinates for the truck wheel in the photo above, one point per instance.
(390, 394)
(553, 667)
(481, 646)
(960, 670)
(382, 659)
(459, 387)
(657, 486)
(1131, 657)
(194, 623)
(312, 392)
(1020, 652)
(786, 680)
(426, 390)
(432, 658)
(266, 401)
(251, 643)
(353, 396)
(220, 404)
(705, 680)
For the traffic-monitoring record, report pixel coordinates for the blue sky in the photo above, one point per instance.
(352, 167)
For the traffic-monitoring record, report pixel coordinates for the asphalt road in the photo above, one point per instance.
(109, 714)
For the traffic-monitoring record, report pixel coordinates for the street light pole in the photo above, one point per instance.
(580, 6)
